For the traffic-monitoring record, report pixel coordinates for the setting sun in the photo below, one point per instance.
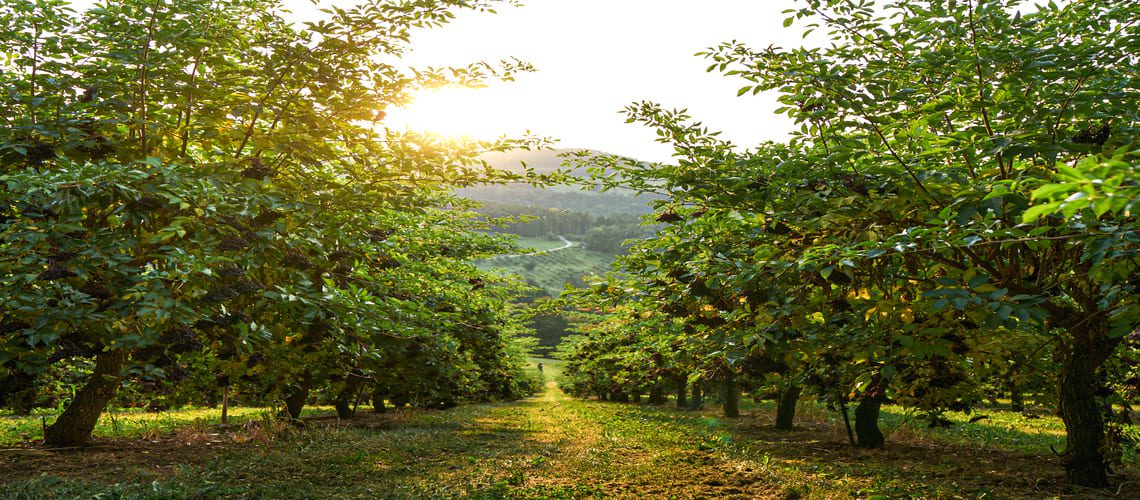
(458, 112)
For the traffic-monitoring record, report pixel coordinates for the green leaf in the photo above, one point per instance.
(1048, 191)
(1037, 211)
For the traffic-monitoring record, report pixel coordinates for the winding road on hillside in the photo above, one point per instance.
(565, 245)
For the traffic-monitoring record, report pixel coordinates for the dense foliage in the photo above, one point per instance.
(953, 220)
(200, 194)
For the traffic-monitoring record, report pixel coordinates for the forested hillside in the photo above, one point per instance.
(571, 198)
(598, 222)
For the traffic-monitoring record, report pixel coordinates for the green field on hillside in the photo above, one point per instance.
(528, 245)
(551, 270)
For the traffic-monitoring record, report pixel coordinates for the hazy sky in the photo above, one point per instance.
(594, 57)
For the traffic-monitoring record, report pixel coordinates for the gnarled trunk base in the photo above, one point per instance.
(74, 426)
(698, 400)
(682, 394)
(378, 401)
(786, 408)
(295, 401)
(731, 398)
(1085, 464)
(867, 423)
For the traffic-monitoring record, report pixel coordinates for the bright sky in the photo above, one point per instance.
(594, 57)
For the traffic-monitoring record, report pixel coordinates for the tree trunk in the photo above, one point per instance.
(343, 407)
(786, 408)
(378, 401)
(731, 398)
(619, 397)
(698, 399)
(1084, 425)
(343, 403)
(1016, 400)
(74, 426)
(399, 399)
(682, 394)
(656, 395)
(867, 422)
(225, 406)
(295, 401)
(846, 420)
(635, 397)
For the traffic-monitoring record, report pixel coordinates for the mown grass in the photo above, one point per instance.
(552, 446)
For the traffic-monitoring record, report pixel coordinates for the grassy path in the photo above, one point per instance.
(549, 446)
(556, 446)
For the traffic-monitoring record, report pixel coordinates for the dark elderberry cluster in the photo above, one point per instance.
(55, 270)
(257, 170)
(180, 339)
(231, 289)
(243, 240)
(385, 262)
(1093, 135)
(669, 217)
(13, 326)
(233, 243)
(378, 235)
(96, 290)
(146, 203)
(231, 271)
(296, 260)
(266, 218)
(339, 255)
(68, 349)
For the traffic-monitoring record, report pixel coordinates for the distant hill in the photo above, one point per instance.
(591, 202)
(598, 221)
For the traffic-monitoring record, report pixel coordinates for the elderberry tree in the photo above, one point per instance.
(203, 184)
(961, 186)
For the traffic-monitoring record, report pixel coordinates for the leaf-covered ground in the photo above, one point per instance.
(550, 446)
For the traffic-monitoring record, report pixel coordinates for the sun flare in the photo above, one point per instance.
(453, 112)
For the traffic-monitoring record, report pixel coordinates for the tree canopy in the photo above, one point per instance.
(956, 207)
(203, 189)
